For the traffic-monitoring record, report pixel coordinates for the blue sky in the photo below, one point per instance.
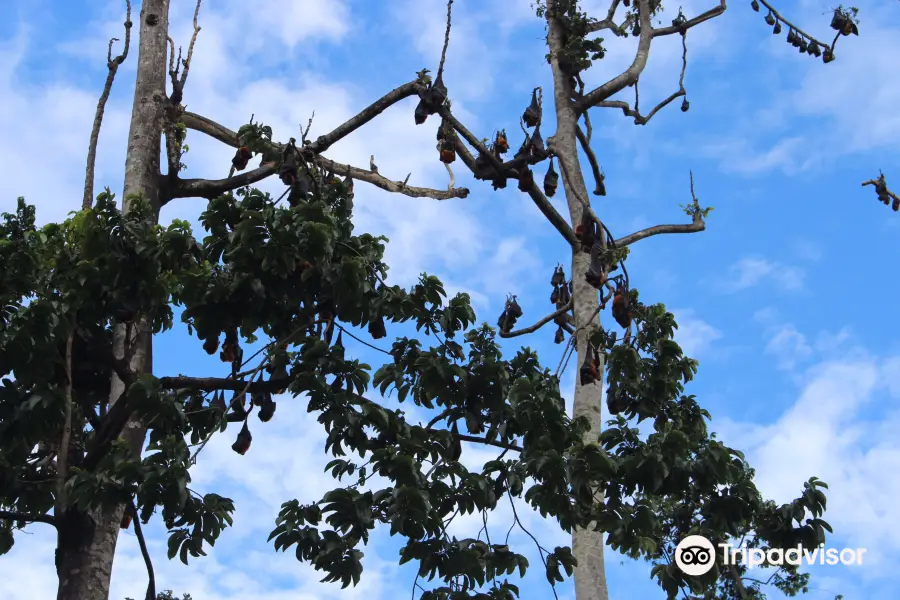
(782, 299)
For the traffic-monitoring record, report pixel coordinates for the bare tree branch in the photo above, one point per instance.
(142, 543)
(640, 119)
(710, 14)
(539, 324)
(778, 16)
(589, 152)
(608, 23)
(210, 128)
(112, 64)
(696, 225)
(185, 188)
(630, 75)
(211, 188)
(388, 185)
(323, 142)
(176, 64)
(501, 169)
(446, 41)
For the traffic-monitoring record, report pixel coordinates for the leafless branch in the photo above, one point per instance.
(539, 324)
(778, 16)
(589, 130)
(112, 64)
(323, 142)
(304, 134)
(175, 65)
(589, 152)
(710, 14)
(640, 119)
(630, 75)
(139, 532)
(205, 188)
(388, 185)
(695, 226)
(502, 169)
(211, 188)
(446, 41)
(6, 515)
(608, 23)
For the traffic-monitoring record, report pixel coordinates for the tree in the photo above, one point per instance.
(84, 297)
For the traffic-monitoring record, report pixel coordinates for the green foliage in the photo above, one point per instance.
(291, 275)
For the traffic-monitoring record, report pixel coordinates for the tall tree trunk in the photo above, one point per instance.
(587, 544)
(87, 542)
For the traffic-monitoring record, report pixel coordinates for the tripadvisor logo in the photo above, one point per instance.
(695, 555)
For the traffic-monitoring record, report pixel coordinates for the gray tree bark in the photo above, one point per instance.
(87, 542)
(587, 544)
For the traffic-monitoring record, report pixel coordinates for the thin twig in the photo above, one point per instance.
(138, 531)
(112, 64)
(446, 42)
(304, 134)
(589, 152)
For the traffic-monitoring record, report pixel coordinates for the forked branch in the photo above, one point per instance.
(502, 169)
(689, 23)
(539, 324)
(206, 188)
(697, 224)
(635, 113)
(112, 64)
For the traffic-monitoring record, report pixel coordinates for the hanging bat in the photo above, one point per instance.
(526, 179)
(242, 444)
(537, 142)
(600, 189)
(266, 409)
(615, 403)
(560, 336)
(565, 295)
(559, 276)
(532, 114)
(621, 308)
(501, 145)
(211, 345)
(288, 170)
(586, 231)
(590, 371)
(595, 275)
(551, 180)
(241, 157)
(376, 328)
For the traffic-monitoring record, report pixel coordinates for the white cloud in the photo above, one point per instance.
(751, 271)
(789, 347)
(829, 433)
(694, 335)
